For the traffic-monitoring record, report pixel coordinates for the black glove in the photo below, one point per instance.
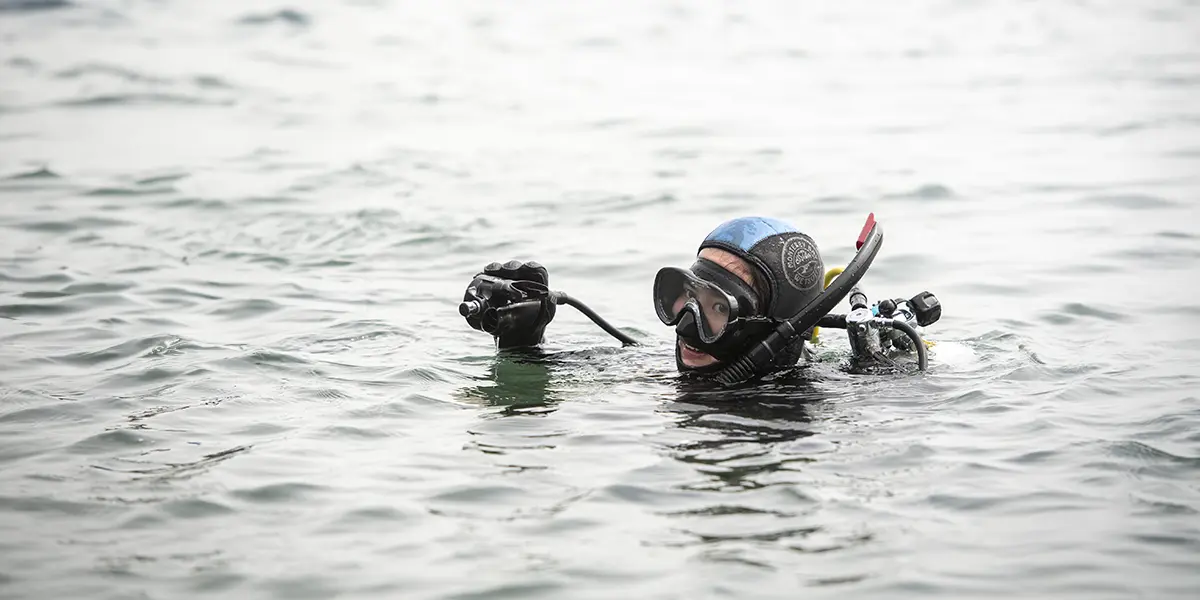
(510, 301)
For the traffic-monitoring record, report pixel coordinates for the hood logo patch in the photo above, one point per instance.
(800, 263)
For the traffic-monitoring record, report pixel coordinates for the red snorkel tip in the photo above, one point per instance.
(866, 230)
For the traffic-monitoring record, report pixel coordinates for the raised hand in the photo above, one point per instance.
(511, 301)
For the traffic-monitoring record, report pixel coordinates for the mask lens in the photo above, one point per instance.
(677, 291)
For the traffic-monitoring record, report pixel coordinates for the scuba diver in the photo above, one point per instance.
(749, 306)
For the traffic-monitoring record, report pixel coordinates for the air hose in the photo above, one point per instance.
(499, 303)
(563, 298)
(918, 343)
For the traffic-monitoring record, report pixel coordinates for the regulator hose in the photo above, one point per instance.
(833, 321)
(922, 353)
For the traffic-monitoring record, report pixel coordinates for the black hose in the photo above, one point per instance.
(562, 298)
(760, 354)
(922, 356)
(832, 321)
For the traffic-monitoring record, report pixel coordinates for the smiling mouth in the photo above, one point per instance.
(695, 357)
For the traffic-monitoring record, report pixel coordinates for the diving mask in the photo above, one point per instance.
(713, 309)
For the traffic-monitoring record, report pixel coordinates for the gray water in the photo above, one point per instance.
(233, 236)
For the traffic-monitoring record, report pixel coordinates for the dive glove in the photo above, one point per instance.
(511, 301)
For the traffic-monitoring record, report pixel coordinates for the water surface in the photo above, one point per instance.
(233, 237)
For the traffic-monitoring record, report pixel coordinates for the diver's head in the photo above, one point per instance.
(750, 274)
(712, 305)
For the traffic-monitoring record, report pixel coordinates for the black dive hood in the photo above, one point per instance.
(759, 358)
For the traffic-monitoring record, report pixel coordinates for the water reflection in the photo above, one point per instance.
(730, 480)
(744, 430)
(738, 438)
(517, 380)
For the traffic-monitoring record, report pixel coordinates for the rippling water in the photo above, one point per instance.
(233, 236)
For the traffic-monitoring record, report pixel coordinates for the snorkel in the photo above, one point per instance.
(761, 356)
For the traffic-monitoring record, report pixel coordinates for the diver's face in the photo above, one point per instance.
(715, 310)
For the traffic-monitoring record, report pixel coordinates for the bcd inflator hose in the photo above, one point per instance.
(563, 298)
(520, 295)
